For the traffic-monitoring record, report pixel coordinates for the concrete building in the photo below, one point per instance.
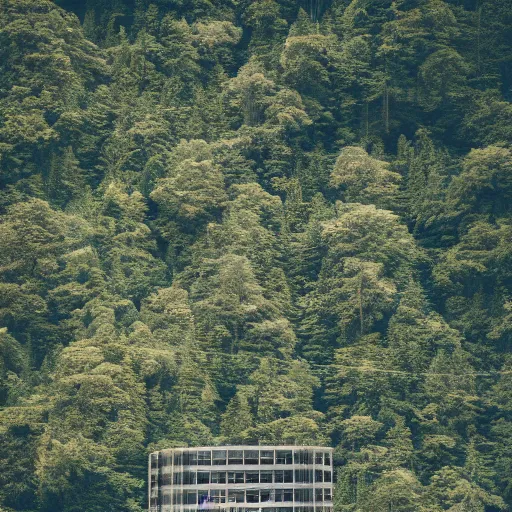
(241, 479)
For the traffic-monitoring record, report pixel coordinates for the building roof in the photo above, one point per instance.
(247, 447)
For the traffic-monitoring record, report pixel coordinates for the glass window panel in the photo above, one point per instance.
(327, 459)
(288, 476)
(219, 457)
(178, 459)
(252, 496)
(319, 458)
(306, 475)
(165, 459)
(278, 495)
(154, 461)
(218, 495)
(304, 495)
(266, 477)
(303, 457)
(203, 477)
(279, 476)
(189, 478)
(177, 497)
(319, 475)
(219, 477)
(236, 496)
(266, 457)
(252, 477)
(235, 457)
(319, 495)
(265, 495)
(190, 458)
(203, 496)
(327, 476)
(287, 494)
(284, 457)
(204, 458)
(166, 479)
(235, 477)
(327, 495)
(190, 497)
(251, 457)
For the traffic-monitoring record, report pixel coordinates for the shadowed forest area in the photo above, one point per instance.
(243, 221)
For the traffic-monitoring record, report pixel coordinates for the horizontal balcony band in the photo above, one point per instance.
(249, 486)
(243, 467)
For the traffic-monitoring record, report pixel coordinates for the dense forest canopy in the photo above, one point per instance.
(243, 221)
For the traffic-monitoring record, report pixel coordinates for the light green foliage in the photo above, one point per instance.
(365, 179)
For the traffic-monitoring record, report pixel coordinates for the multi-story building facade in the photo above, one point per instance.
(241, 479)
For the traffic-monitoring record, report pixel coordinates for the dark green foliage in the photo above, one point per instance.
(256, 221)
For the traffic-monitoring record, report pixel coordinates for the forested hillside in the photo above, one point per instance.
(243, 221)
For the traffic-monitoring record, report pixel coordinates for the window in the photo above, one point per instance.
(177, 497)
(302, 457)
(327, 459)
(190, 497)
(218, 495)
(166, 479)
(235, 457)
(203, 477)
(266, 457)
(236, 496)
(190, 459)
(303, 475)
(178, 459)
(251, 457)
(284, 457)
(283, 476)
(265, 495)
(327, 495)
(166, 499)
(319, 495)
(287, 494)
(165, 460)
(253, 496)
(219, 457)
(327, 476)
(189, 477)
(219, 477)
(265, 477)
(319, 458)
(304, 495)
(235, 477)
(154, 461)
(203, 496)
(252, 477)
(204, 458)
(177, 479)
(319, 475)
